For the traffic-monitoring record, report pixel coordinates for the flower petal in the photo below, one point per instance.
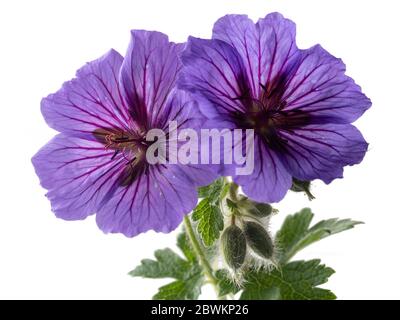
(270, 180)
(321, 152)
(77, 173)
(320, 88)
(214, 70)
(182, 109)
(267, 47)
(156, 201)
(148, 73)
(90, 101)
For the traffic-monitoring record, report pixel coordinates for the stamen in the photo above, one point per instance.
(264, 87)
(115, 154)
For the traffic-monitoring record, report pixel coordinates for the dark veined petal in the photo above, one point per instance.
(77, 173)
(270, 179)
(321, 151)
(148, 74)
(267, 48)
(157, 200)
(214, 70)
(90, 101)
(181, 107)
(184, 110)
(320, 88)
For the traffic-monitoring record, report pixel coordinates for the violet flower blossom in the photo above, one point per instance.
(299, 102)
(97, 163)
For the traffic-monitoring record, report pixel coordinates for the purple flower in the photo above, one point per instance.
(300, 103)
(97, 163)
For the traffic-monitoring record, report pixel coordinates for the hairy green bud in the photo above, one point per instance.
(260, 210)
(234, 248)
(302, 186)
(256, 209)
(258, 239)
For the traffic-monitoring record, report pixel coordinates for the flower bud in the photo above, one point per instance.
(258, 239)
(302, 186)
(256, 209)
(234, 246)
(260, 210)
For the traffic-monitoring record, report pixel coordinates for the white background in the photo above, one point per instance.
(44, 42)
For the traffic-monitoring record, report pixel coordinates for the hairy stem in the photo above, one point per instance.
(233, 191)
(199, 250)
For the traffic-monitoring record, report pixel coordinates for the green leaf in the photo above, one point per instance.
(184, 244)
(210, 221)
(172, 291)
(298, 280)
(215, 191)
(168, 264)
(188, 289)
(296, 234)
(225, 284)
(333, 226)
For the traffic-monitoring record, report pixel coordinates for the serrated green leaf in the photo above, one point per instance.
(167, 265)
(298, 280)
(225, 284)
(184, 244)
(171, 291)
(333, 226)
(296, 234)
(210, 221)
(214, 191)
(180, 290)
(188, 273)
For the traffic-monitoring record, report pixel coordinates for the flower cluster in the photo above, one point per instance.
(299, 103)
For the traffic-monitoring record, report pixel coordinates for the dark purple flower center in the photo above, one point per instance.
(132, 146)
(266, 115)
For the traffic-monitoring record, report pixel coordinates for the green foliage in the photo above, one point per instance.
(215, 191)
(296, 234)
(210, 221)
(208, 214)
(186, 248)
(180, 290)
(288, 281)
(168, 264)
(225, 284)
(294, 281)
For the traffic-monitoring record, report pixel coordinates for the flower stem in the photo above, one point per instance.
(199, 250)
(233, 191)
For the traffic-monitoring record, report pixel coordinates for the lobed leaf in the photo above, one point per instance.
(168, 264)
(298, 280)
(296, 234)
(210, 221)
